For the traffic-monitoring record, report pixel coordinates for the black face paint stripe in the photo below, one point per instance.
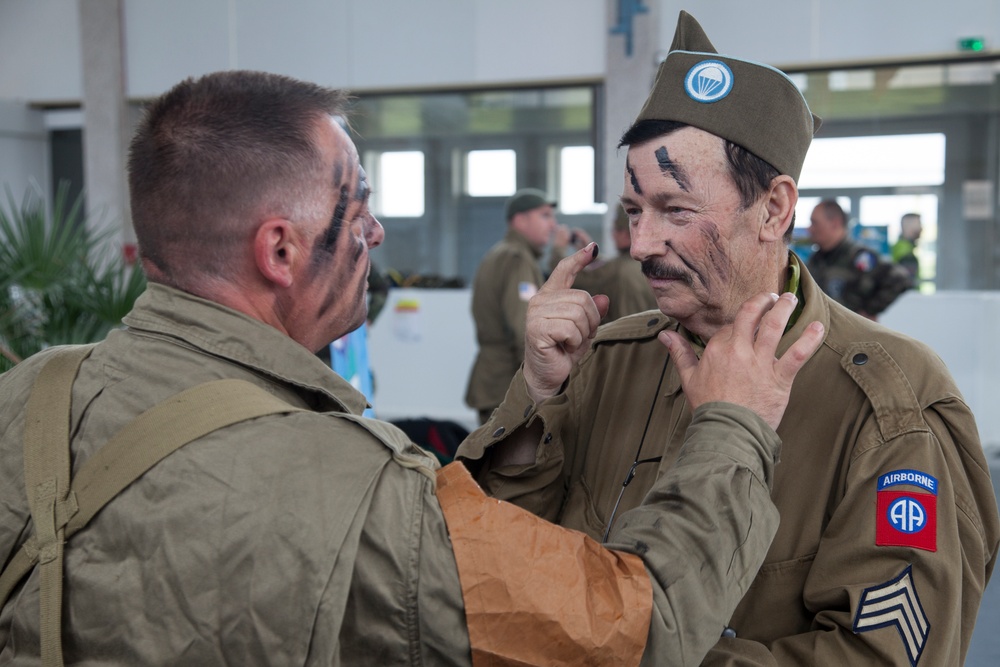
(329, 237)
(632, 177)
(717, 253)
(668, 166)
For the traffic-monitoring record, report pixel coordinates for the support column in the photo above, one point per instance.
(105, 119)
(630, 66)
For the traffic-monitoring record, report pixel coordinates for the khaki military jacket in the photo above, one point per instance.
(319, 537)
(883, 488)
(272, 542)
(506, 279)
(622, 281)
(857, 278)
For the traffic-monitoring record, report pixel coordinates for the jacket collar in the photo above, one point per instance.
(228, 334)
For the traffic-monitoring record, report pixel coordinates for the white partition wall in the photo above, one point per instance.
(421, 350)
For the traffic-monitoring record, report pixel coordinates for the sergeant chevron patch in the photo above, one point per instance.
(895, 603)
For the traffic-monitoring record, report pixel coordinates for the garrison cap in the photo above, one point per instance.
(752, 105)
(527, 199)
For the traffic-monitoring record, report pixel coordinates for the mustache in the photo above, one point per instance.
(653, 269)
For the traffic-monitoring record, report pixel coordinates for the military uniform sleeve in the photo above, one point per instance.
(701, 534)
(905, 557)
(540, 486)
(522, 282)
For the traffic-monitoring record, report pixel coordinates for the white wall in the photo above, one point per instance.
(787, 32)
(421, 355)
(385, 44)
(24, 155)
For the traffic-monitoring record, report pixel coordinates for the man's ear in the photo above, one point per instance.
(276, 251)
(779, 208)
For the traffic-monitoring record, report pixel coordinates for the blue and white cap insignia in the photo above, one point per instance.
(708, 81)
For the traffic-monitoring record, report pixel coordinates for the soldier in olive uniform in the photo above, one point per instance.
(849, 272)
(889, 528)
(306, 534)
(506, 279)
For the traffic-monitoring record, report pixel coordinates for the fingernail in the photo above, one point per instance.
(596, 250)
(774, 297)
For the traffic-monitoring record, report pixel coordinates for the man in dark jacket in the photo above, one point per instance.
(850, 272)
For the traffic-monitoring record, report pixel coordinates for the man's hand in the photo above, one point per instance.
(561, 322)
(564, 236)
(739, 366)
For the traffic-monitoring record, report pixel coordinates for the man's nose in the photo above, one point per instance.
(374, 234)
(647, 239)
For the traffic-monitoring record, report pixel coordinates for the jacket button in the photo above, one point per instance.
(527, 411)
(548, 438)
(497, 433)
(653, 322)
(860, 359)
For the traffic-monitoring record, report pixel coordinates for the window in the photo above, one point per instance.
(490, 173)
(397, 179)
(576, 181)
(891, 160)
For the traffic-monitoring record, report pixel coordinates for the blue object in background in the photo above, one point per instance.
(876, 237)
(349, 360)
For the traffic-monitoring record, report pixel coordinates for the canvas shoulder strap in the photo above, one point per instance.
(60, 507)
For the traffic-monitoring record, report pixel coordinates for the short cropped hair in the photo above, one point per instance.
(215, 154)
(751, 175)
(832, 209)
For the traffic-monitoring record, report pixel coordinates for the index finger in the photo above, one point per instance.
(569, 268)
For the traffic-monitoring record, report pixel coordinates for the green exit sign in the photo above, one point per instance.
(971, 44)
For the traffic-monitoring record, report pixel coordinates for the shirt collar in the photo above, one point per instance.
(228, 334)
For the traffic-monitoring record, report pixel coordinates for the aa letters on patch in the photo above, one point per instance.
(906, 518)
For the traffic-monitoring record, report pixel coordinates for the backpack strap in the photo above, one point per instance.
(59, 508)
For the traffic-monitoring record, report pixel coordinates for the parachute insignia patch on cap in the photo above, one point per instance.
(708, 81)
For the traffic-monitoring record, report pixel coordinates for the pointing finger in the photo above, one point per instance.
(567, 270)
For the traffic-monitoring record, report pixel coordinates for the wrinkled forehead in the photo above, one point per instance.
(687, 144)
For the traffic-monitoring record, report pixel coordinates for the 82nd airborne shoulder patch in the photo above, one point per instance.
(906, 518)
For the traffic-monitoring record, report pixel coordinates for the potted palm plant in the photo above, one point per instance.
(59, 283)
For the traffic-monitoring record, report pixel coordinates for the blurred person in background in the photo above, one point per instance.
(851, 273)
(904, 249)
(506, 279)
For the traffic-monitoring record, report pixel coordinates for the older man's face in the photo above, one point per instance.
(699, 249)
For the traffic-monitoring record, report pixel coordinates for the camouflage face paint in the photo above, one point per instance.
(632, 177)
(668, 166)
(717, 254)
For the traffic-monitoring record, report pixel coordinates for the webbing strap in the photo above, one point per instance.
(47, 483)
(59, 508)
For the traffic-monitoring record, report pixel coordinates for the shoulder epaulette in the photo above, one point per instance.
(897, 410)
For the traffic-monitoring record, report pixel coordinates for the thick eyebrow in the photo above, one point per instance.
(668, 166)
